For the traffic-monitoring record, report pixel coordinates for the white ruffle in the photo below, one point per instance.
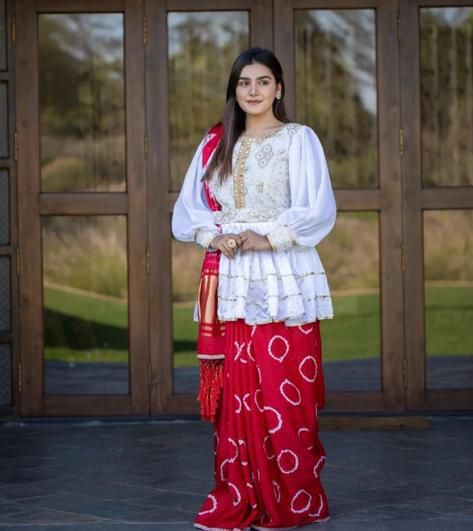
(289, 285)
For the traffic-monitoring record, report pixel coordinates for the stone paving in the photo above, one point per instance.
(133, 475)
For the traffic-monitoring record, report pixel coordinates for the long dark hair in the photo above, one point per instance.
(233, 119)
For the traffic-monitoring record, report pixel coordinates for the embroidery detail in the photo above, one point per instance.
(260, 139)
(254, 279)
(244, 297)
(281, 239)
(239, 175)
(264, 155)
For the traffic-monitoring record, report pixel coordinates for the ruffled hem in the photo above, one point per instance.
(288, 285)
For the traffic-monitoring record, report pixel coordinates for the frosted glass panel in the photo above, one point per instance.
(186, 266)
(85, 297)
(446, 91)
(82, 102)
(448, 262)
(336, 93)
(351, 341)
(202, 47)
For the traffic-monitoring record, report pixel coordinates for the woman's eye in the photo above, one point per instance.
(244, 83)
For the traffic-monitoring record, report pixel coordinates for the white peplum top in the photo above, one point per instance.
(280, 187)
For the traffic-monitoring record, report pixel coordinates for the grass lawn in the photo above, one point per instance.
(83, 328)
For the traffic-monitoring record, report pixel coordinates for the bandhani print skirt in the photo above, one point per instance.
(268, 457)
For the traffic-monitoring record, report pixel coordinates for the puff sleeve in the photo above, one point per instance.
(313, 209)
(192, 219)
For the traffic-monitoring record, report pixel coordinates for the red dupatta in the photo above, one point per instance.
(211, 332)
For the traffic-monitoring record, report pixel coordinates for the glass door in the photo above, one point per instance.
(340, 60)
(191, 46)
(437, 167)
(83, 226)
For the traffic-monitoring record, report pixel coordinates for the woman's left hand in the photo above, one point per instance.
(252, 241)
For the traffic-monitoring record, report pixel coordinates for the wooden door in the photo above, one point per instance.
(341, 63)
(338, 60)
(82, 207)
(437, 170)
(113, 98)
(190, 49)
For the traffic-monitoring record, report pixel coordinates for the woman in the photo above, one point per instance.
(258, 197)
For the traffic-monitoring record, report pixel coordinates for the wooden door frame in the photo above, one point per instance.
(33, 204)
(415, 200)
(161, 339)
(386, 199)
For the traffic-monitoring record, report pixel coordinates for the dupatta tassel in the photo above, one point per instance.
(211, 383)
(211, 333)
(210, 339)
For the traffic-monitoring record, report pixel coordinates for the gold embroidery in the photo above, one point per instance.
(255, 303)
(239, 174)
(312, 273)
(260, 138)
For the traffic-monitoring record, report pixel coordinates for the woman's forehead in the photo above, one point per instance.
(255, 71)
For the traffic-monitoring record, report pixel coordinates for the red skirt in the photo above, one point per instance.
(268, 457)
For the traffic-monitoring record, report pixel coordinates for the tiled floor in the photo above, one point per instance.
(154, 475)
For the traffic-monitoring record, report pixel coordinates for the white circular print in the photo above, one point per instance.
(278, 417)
(265, 447)
(305, 437)
(230, 440)
(260, 409)
(288, 469)
(306, 332)
(270, 348)
(297, 502)
(237, 492)
(292, 393)
(317, 466)
(248, 351)
(242, 443)
(214, 505)
(309, 374)
(222, 474)
(321, 506)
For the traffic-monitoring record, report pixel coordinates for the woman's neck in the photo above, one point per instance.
(258, 124)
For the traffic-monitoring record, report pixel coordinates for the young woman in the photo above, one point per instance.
(258, 197)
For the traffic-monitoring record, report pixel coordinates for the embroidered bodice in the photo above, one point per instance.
(259, 188)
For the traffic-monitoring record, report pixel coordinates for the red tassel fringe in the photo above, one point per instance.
(211, 383)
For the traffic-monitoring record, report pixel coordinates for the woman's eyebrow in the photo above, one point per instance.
(260, 77)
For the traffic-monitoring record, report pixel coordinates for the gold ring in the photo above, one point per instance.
(231, 242)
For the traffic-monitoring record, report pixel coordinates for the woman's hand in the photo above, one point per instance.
(221, 242)
(252, 241)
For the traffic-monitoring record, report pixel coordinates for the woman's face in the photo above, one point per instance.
(256, 89)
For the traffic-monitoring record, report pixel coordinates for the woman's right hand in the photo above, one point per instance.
(220, 242)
